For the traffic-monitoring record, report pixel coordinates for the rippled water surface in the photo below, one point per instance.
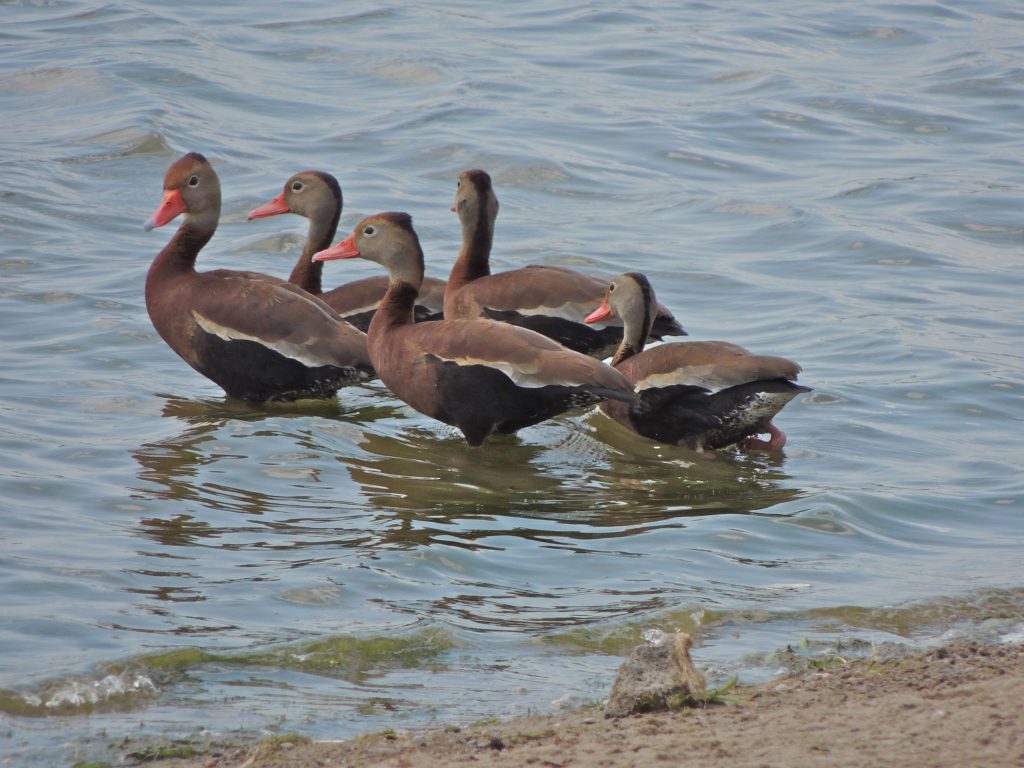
(840, 185)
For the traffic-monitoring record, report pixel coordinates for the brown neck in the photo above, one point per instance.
(626, 351)
(475, 257)
(307, 273)
(396, 308)
(179, 255)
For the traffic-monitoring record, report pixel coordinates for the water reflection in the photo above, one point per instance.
(170, 468)
(387, 518)
(216, 485)
(172, 464)
(586, 477)
(392, 511)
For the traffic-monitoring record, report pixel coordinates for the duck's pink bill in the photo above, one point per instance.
(346, 249)
(275, 207)
(601, 313)
(172, 206)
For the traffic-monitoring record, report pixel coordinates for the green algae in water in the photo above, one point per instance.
(178, 660)
(620, 639)
(113, 688)
(163, 752)
(130, 685)
(994, 606)
(272, 743)
(345, 656)
(819, 655)
(377, 705)
(353, 658)
(935, 615)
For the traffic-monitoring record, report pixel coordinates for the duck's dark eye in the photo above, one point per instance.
(611, 287)
(193, 181)
(369, 230)
(296, 186)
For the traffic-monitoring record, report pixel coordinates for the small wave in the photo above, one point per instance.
(1015, 636)
(124, 142)
(123, 687)
(47, 80)
(113, 691)
(328, 21)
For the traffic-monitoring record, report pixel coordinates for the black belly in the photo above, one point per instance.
(594, 342)
(481, 401)
(697, 418)
(251, 371)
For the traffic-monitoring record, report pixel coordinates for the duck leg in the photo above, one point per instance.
(776, 439)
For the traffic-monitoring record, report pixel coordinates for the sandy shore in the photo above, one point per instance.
(960, 705)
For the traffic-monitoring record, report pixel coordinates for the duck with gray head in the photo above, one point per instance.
(482, 376)
(550, 300)
(316, 196)
(257, 337)
(700, 394)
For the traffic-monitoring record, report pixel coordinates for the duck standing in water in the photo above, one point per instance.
(483, 376)
(257, 337)
(700, 394)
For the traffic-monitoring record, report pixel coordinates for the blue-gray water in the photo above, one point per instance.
(837, 183)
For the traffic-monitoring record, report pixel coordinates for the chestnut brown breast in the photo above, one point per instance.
(258, 337)
(482, 376)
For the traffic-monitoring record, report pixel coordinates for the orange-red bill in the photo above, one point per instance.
(173, 205)
(273, 208)
(346, 249)
(601, 313)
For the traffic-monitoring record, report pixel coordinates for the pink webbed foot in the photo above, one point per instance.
(776, 440)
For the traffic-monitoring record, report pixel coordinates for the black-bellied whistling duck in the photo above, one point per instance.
(258, 337)
(701, 394)
(479, 375)
(550, 300)
(316, 195)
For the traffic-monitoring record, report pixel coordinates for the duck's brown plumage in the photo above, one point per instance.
(479, 375)
(258, 337)
(317, 196)
(701, 394)
(550, 300)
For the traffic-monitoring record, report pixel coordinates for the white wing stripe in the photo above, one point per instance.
(297, 352)
(520, 376)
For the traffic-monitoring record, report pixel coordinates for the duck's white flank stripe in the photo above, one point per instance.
(298, 352)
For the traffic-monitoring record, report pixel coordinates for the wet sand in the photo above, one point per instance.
(958, 705)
